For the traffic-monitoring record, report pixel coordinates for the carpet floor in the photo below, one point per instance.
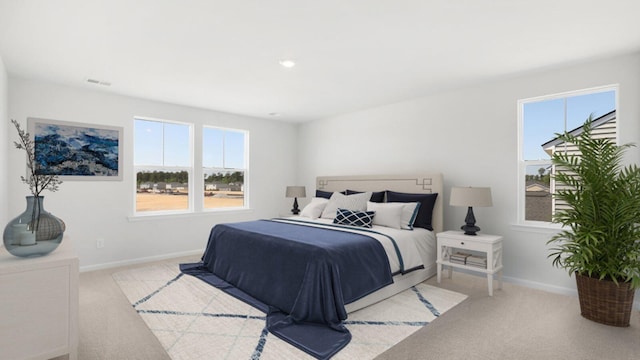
(193, 320)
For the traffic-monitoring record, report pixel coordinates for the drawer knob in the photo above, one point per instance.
(461, 242)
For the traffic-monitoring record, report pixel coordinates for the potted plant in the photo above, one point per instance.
(600, 239)
(35, 232)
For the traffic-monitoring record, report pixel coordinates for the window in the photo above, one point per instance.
(163, 165)
(539, 120)
(167, 175)
(223, 157)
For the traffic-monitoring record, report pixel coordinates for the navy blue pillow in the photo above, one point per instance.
(327, 194)
(376, 197)
(425, 213)
(324, 194)
(354, 218)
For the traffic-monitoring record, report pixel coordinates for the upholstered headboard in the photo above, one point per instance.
(428, 183)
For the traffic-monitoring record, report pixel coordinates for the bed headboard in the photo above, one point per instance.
(416, 184)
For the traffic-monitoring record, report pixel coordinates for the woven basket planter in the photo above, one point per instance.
(605, 302)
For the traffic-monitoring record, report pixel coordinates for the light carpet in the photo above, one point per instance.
(194, 320)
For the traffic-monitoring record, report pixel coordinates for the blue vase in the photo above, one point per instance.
(35, 232)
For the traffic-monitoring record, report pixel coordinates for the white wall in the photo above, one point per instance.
(100, 209)
(4, 146)
(470, 135)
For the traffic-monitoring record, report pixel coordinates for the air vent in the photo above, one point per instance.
(98, 82)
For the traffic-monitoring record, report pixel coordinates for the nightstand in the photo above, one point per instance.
(459, 245)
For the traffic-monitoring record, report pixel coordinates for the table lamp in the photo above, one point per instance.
(470, 197)
(295, 192)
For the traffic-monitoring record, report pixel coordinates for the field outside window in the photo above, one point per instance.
(163, 166)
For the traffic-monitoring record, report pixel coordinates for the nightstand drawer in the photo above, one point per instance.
(464, 244)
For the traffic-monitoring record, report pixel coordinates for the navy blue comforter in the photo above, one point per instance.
(301, 276)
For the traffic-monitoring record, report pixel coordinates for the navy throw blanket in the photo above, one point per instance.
(300, 276)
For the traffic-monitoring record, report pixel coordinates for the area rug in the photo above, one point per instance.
(194, 320)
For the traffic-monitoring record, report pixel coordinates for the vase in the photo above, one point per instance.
(35, 232)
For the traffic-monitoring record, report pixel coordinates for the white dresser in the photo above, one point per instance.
(39, 305)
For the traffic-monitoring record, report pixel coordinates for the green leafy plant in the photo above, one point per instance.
(601, 231)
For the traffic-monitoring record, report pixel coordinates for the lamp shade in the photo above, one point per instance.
(296, 192)
(470, 196)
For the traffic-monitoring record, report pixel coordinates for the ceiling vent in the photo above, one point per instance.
(98, 82)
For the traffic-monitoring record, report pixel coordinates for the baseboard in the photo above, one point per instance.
(558, 289)
(518, 281)
(140, 260)
(542, 286)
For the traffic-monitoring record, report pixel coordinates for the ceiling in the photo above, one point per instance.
(349, 54)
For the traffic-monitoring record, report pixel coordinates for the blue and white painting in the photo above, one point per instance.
(77, 150)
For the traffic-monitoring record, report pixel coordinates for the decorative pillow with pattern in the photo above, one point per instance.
(354, 218)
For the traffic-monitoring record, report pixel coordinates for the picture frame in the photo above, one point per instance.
(77, 151)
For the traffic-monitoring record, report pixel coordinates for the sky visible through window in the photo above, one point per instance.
(543, 119)
(167, 144)
(232, 154)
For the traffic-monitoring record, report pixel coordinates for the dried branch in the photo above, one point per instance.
(36, 181)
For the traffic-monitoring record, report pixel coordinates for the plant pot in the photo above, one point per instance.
(604, 301)
(35, 232)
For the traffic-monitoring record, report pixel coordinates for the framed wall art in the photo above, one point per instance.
(77, 151)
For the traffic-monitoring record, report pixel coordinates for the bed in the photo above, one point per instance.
(307, 274)
(427, 183)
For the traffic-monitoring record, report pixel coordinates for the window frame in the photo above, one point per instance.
(523, 164)
(245, 169)
(190, 171)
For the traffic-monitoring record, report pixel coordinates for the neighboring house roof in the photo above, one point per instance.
(549, 145)
(537, 187)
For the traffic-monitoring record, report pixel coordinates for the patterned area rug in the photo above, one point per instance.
(194, 320)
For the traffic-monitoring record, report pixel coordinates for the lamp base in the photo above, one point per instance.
(295, 209)
(470, 227)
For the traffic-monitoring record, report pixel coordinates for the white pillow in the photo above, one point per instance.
(313, 210)
(355, 202)
(409, 213)
(387, 214)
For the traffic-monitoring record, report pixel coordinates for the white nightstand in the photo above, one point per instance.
(450, 242)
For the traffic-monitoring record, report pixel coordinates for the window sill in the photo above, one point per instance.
(160, 216)
(540, 228)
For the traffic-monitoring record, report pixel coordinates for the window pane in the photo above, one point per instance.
(580, 107)
(148, 143)
(234, 150)
(177, 147)
(541, 121)
(538, 199)
(223, 189)
(162, 190)
(212, 148)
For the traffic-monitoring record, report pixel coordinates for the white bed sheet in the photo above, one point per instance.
(417, 246)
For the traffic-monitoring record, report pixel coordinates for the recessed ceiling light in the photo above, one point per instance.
(287, 63)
